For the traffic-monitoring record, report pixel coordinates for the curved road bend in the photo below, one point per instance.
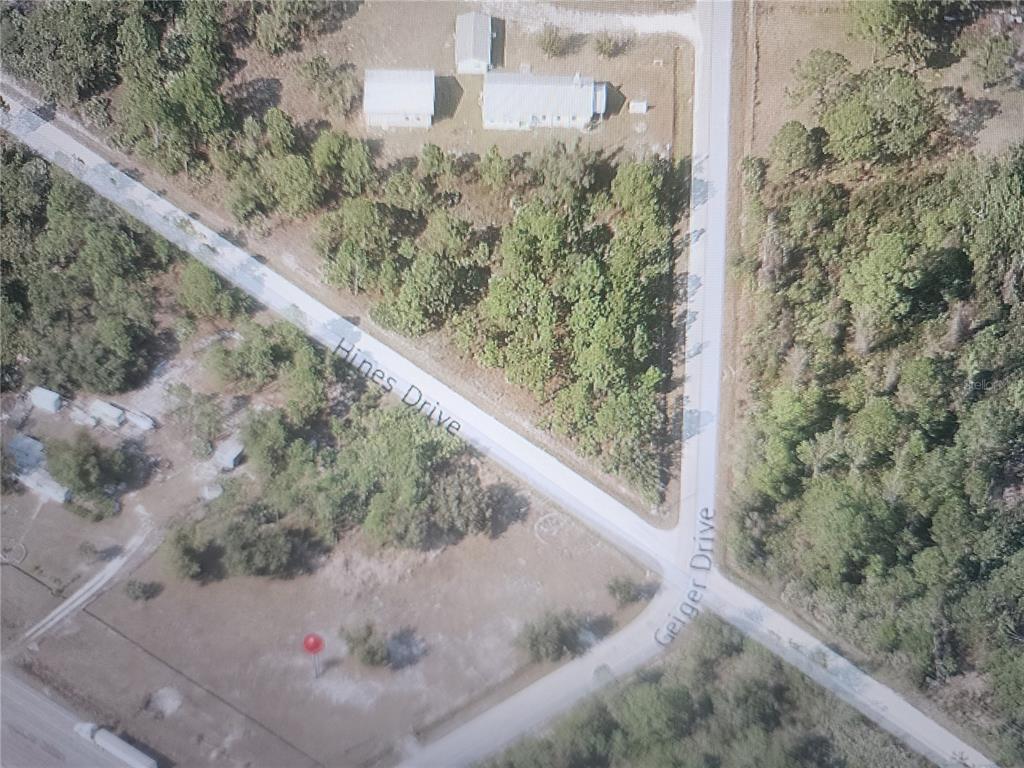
(666, 551)
(709, 29)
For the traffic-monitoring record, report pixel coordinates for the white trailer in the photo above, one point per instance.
(118, 747)
(42, 482)
(140, 421)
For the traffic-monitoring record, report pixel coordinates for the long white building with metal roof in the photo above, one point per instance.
(398, 98)
(520, 101)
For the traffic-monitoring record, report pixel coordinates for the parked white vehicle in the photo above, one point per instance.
(115, 745)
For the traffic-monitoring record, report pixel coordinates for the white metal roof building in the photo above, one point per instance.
(519, 101)
(44, 399)
(472, 43)
(26, 452)
(398, 98)
(108, 414)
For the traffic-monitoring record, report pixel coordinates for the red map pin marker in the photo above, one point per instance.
(313, 644)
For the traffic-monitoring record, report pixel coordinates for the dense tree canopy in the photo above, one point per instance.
(885, 114)
(76, 282)
(570, 299)
(884, 475)
(718, 702)
(794, 148)
(67, 49)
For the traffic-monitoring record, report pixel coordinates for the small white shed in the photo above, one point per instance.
(472, 43)
(107, 414)
(229, 454)
(44, 399)
(398, 98)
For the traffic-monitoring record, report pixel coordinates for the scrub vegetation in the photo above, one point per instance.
(571, 299)
(717, 701)
(883, 478)
(333, 459)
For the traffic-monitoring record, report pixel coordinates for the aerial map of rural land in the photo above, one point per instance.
(512, 383)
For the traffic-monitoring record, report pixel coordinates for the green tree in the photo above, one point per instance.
(990, 53)
(608, 46)
(652, 715)
(306, 385)
(337, 156)
(76, 279)
(85, 466)
(171, 108)
(367, 646)
(905, 28)
(202, 294)
(495, 170)
(880, 285)
(794, 149)
(142, 590)
(553, 636)
(251, 193)
(186, 552)
(405, 191)
(442, 274)
(67, 49)
(460, 504)
(844, 524)
(435, 163)
(280, 131)
(200, 414)
(626, 590)
(923, 391)
(823, 76)
(337, 87)
(551, 42)
(356, 240)
(888, 115)
(265, 436)
(790, 417)
(873, 431)
(563, 175)
(392, 466)
(280, 24)
(252, 548)
(296, 188)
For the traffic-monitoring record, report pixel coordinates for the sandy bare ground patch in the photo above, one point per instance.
(416, 35)
(451, 616)
(160, 669)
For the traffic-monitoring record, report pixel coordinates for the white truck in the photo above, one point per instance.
(115, 745)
